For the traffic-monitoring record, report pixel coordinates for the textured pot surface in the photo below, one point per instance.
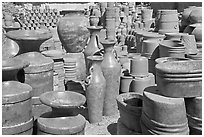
(9, 49)
(72, 31)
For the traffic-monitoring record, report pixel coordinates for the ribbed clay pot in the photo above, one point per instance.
(146, 14)
(95, 90)
(111, 70)
(72, 31)
(16, 108)
(180, 78)
(11, 69)
(163, 115)
(29, 40)
(130, 108)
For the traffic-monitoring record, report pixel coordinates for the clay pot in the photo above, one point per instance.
(110, 4)
(163, 115)
(110, 12)
(197, 56)
(11, 68)
(169, 59)
(29, 40)
(111, 70)
(72, 31)
(174, 36)
(49, 125)
(179, 78)
(139, 66)
(123, 130)
(151, 47)
(94, 20)
(125, 81)
(80, 64)
(63, 103)
(16, 108)
(110, 29)
(39, 75)
(196, 15)
(130, 108)
(96, 85)
(170, 48)
(190, 44)
(138, 84)
(146, 14)
(195, 29)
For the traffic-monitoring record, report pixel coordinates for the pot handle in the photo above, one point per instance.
(87, 81)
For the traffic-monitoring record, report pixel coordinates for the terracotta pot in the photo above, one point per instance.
(49, 125)
(174, 36)
(70, 69)
(130, 107)
(170, 48)
(16, 108)
(138, 84)
(111, 70)
(96, 85)
(72, 31)
(146, 14)
(141, 71)
(179, 78)
(94, 20)
(80, 64)
(125, 83)
(11, 68)
(123, 130)
(190, 44)
(163, 115)
(196, 15)
(197, 56)
(39, 74)
(29, 40)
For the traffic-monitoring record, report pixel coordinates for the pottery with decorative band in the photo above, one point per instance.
(180, 78)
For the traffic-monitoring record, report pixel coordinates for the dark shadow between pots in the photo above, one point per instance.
(112, 128)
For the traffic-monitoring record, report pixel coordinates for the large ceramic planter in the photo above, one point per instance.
(16, 108)
(96, 85)
(180, 78)
(130, 107)
(11, 67)
(163, 115)
(197, 56)
(111, 70)
(72, 31)
(29, 40)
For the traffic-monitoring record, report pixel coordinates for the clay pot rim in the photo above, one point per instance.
(178, 68)
(193, 56)
(175, 34)
(96, 58)
(53, 128)
(94, 28)
(108, 43)
(18, 35)
(168, 59)
(199, 25)
(49, 98)
(19, 92)
(14, 64)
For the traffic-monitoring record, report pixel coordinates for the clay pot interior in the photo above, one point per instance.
(182, 67)
(134, 102)
(62, 99)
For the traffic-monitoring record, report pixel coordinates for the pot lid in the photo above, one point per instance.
(14, 91)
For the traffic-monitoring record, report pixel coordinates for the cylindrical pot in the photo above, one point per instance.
(110, 29)
(94, 20)
(96, 85)
(72, 31)
(130, 107)
(11, 69)
(125, 83)
(180, 78)
(110, 12)
(150, 47)
(146, 14)
(138, 84)
(139, 66)
(16, 108)
(39, 74)
(72, 125)
(111, 70)
(190, 44)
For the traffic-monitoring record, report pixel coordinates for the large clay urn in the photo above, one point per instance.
(111, 70)
(72, 30)
(96, 85)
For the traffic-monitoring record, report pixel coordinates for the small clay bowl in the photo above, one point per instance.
(62, 99)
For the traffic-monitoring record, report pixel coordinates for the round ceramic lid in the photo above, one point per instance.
(62, 125)
(14, 91)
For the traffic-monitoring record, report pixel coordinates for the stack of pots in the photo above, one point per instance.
(17, 116)
(183, 79)
(39, 75)
(58, 74)
(163, 115)
(130, 108)
(167, 21)
(141, 77)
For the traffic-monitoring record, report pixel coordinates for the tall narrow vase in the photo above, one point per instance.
(111, 69)
(95, 90)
